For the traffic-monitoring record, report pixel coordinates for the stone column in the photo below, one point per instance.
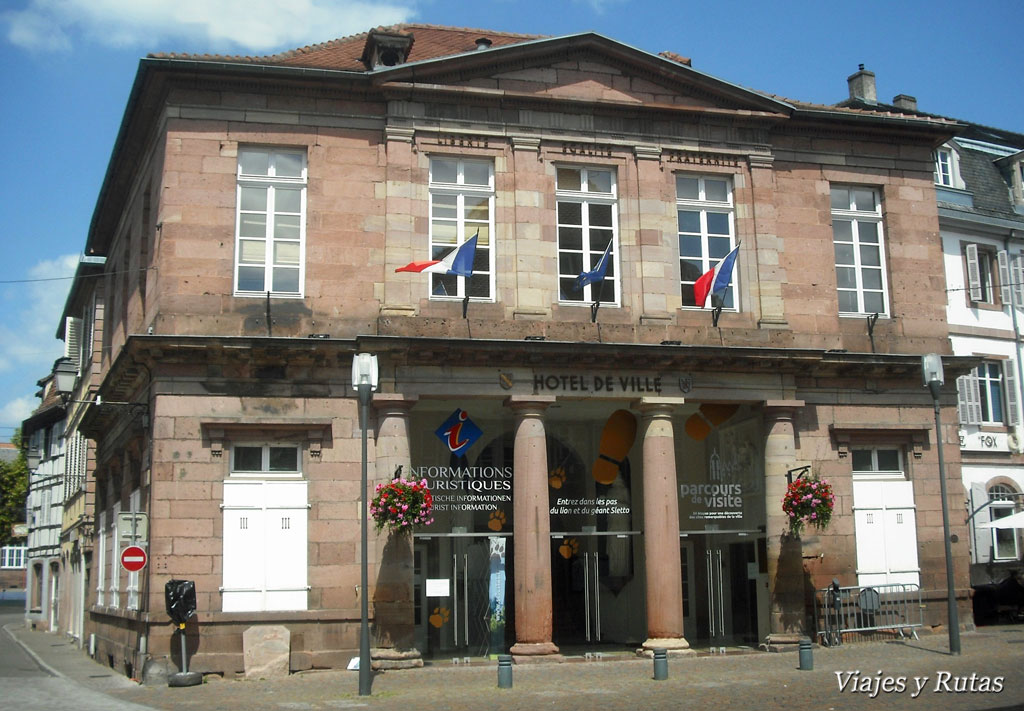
(392, 442)
(661, 527)
(532, 529)
(785, 564)
(392, 611)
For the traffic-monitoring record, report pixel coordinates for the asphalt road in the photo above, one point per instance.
(893, 675)
(25, 685)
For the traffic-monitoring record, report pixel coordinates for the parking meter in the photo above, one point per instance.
(180, 597)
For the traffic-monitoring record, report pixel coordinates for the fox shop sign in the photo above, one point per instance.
(597, 383)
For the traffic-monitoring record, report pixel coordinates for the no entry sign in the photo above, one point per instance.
(133, 559)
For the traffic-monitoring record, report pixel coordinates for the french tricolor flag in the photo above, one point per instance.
(458, 262)
(715, 281)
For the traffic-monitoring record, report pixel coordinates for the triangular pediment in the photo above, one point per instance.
(587, 68)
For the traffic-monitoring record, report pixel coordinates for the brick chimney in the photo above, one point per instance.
(862, 86)
(905, 101)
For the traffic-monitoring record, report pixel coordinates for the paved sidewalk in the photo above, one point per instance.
(988, 675)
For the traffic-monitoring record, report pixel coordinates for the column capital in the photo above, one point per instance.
(525, 403)
(403, 134)
(782, 408)
(653, 406)
(394, 401)
(525, 143)
(761, 160)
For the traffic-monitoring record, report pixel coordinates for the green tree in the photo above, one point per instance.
(13, 490)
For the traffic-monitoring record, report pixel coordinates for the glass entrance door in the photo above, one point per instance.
(722, 583)
(594, 594)
(463, 595)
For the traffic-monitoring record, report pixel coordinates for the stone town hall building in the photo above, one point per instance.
(252, 219)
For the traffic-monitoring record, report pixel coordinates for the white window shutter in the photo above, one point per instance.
(973, 272)
(1004, 276)
(1017, 272)
(962, 407)
(982, 537)
(969, 399)
(1011, 394)
(73, 340)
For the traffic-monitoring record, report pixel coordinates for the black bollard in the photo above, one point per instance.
(660, 664)
(504, 671)
(806, 657)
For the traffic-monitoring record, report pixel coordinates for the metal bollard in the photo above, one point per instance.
(806, 657)
(504, 671)
(660, 664)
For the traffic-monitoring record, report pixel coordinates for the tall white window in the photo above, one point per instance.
(133, 577)
(980, 271)
(989, 394)
(885, 520)
(265, 523)
(859, 251)
(587, 214)
(114, 558)
(461, 206)
(1004, 540)
(704, 211)
(271, 225)
(947, 168)
(943, 167)
(102, 558)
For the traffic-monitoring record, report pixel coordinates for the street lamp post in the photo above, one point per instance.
(931, 366)
(364, 381)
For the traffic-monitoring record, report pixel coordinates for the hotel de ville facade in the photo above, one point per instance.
(607, 461)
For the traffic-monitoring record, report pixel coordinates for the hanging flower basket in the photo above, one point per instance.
(808, 502)
(401, 504)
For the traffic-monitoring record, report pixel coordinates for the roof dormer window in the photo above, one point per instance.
(386, 49)
(947, 168)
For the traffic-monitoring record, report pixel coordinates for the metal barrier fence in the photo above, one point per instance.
(839, 610)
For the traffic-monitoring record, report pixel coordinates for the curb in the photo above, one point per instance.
(35, 657)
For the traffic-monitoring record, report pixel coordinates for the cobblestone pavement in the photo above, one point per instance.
(912, 674)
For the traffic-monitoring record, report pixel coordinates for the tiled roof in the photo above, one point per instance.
(863, 109)
(675, 57)
(345, 54)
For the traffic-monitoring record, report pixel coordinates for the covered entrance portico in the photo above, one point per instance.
(632, 516)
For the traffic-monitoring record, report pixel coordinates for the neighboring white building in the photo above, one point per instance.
(981, 214)
(44, 432)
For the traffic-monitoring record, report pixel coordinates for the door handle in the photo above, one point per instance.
(597, 601)
(455, 589)
(586, 594)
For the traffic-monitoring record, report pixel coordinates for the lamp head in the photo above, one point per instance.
(364, 370)
(65, 373)
(931, 368)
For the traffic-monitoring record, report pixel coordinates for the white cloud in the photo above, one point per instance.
(28, 326)
(600, 6)
(28, 342)
(219, 26)
(15, 411)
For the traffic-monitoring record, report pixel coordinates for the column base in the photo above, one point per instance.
(675, 646)
(532, 652)
(384, 658)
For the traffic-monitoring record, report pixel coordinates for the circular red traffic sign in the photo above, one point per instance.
(133, 559)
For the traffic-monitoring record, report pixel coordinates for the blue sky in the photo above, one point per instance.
(68, 65)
